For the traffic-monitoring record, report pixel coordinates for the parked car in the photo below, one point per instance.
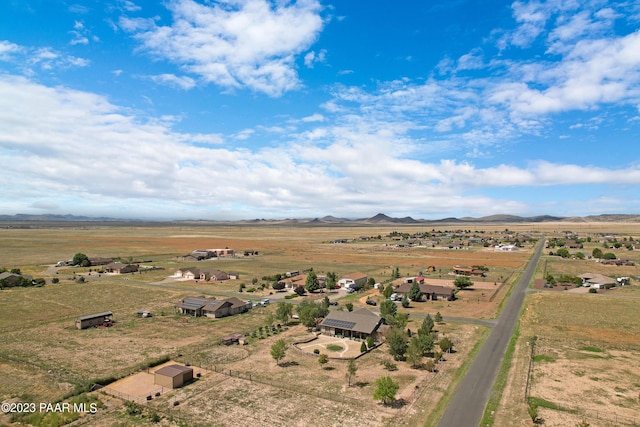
(371, 302)
(265, 301)
(333, 302)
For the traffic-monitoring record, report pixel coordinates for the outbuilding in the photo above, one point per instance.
(173, 376)
(98, 319)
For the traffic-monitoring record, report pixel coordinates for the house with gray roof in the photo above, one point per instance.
(351, 324)
(193, 305)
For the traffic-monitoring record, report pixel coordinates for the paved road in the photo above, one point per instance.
(471, 397)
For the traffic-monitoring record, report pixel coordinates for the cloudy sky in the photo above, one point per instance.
(274, 109)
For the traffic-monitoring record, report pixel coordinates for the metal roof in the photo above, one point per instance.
(93, 316)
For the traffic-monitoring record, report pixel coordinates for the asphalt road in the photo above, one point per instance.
(468, 403)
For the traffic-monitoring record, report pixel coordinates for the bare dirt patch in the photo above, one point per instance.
(349, 348)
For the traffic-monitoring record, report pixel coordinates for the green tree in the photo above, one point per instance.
(597, 253)
(395, 274)
(386, 390)
(278, 350)
(325, 301)
(579, 255)
(388, 290)
(370, 282)
(323, 359)
(388, 310)
(284, 311)
(414, 352)
(405, 301)
(349, 306)
(438, 318)
(312, 284)
(426, 343)
(445, 345)
(430, 365)
(609, 255)
(370, 342)
(352, 368)
(81, 259)
(414, 292)
(363, 347)
(332, 279)
(397, 343)
(462, 282)
(427, 326)
(400, 320)
(309, 311)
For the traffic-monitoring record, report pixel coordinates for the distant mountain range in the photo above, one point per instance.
(329, 220)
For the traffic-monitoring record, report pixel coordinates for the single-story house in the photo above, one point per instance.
(194, 273)
(431, 292)
(97, 319)
(226, 307)
(462, 270)
(188, 273)
(351, 324)
(9, 279)
(193, 305)
(173, 376)
(207, 274)
(222, 252)
(353, 280)
(294, 281)
(597, 281)
(233, 275)
(120, 268)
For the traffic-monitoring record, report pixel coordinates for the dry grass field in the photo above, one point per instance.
(585, 361)
(43, 357)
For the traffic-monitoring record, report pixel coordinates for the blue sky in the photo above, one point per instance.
(278, 109)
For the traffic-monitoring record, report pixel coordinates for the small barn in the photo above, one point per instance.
(173, 376)
(97, 319)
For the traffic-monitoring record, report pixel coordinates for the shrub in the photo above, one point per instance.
(389, 365)
(316, 351)
(370, 342)
(593, 291)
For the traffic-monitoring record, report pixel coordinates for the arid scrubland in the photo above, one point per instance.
(45, 358)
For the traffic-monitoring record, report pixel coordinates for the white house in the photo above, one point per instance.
(353, 281)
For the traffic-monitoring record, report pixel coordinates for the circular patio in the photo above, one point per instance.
(349, 348)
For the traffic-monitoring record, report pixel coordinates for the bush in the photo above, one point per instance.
(389, 365)
(316, 351)
(593, 291)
